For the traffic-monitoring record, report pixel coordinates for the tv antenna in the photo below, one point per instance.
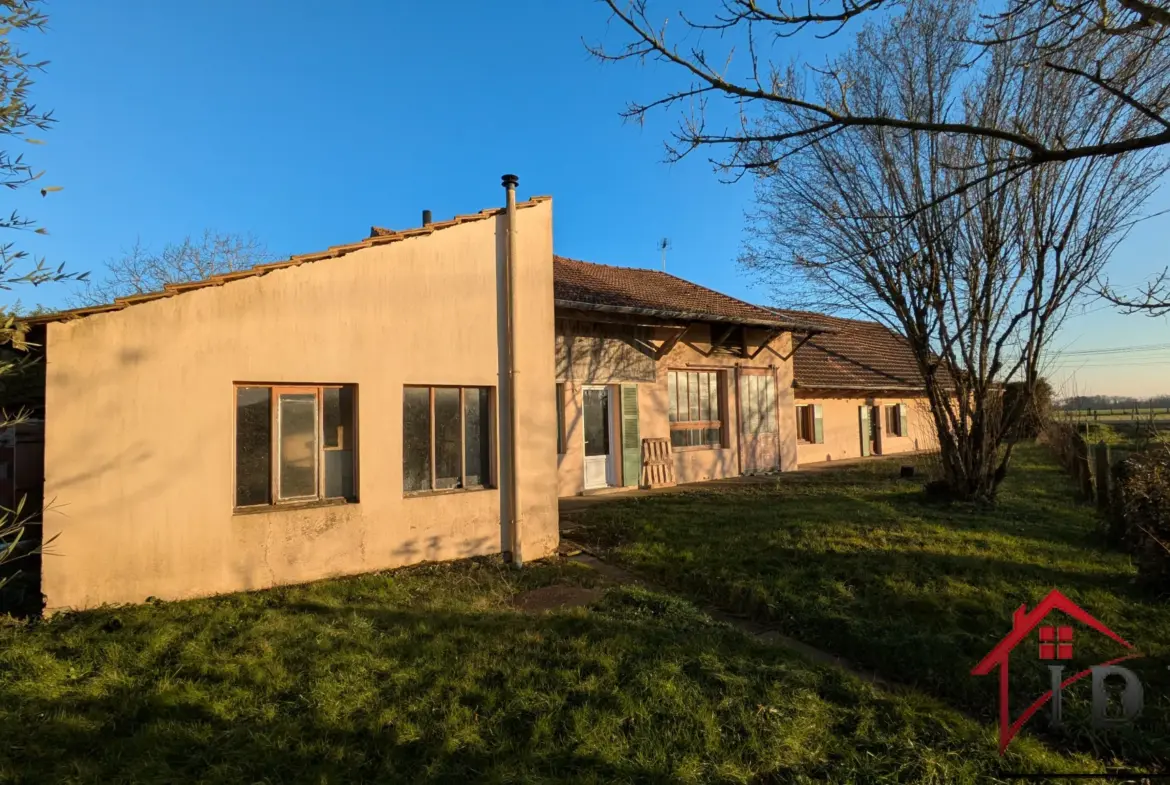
(664, 246)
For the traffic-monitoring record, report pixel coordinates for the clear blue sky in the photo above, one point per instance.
(305, 123)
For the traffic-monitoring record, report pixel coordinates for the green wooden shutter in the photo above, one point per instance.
(863, 418)
(904, 429)
(631, 441)
(818, 425)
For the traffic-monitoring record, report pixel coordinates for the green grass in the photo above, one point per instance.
(857, 562)
(431, 674)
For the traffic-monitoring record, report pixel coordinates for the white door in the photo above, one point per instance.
(599, 468)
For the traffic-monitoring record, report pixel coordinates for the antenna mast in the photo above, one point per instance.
(663, 246)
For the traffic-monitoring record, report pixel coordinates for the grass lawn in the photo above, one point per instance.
(857, 562)
(432, 674)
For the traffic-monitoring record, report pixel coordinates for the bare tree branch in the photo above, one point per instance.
(1118, 47)
(976, 265)
(139, 270)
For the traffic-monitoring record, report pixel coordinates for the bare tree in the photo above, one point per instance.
(979, 282)
(1113, 52)
(140, 270)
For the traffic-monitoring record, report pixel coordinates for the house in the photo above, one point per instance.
(332, 413)
(857, 391)
(392, 400)
(642, 353)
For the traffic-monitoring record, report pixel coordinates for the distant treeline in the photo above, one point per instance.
(1081, 402)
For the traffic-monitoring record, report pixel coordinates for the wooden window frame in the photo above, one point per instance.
(561, 418)
(489, 470)
(274, 392)
(892, 420)
(704, 425)
(806, 420)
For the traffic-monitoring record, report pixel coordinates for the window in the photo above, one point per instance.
(446, 438)
(294, 444)
(804, 423)
(560, 418)
(809, 425)
(895, 420)
(696, 408)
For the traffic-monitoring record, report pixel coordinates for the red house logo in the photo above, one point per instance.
(1056, 645)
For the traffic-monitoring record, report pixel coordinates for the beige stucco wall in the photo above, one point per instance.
(139, 449)
(691, 353)
(842, 432)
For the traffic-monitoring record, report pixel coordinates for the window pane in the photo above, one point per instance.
(338, 415)
(705, 396)
(679, 438)
(693, 390)
(596, 417)
(339, 474)
(253, 445)
(714, 437)
(672, 394)
(298, 445)
(448, 471)
(477, 438)
(416, 439)
(713, 383)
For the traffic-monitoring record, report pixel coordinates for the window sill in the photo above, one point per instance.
(699, 448)
(264, 508)
(446, 491)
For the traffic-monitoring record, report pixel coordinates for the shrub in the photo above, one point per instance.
(1144, 484)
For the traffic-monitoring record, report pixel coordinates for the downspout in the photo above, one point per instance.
(512, 486)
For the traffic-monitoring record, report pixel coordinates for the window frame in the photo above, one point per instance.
(806, 421)
(489, 469)
(561, 418)
(274, 447)
(697, 425)
(893, 420)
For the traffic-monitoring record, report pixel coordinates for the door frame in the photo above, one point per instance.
(742, 435)
(610, 461)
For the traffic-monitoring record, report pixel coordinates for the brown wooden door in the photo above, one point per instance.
(875, 430)
(758, 428)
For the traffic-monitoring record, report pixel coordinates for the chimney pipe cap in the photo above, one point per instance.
(510, 181)
(426, 217)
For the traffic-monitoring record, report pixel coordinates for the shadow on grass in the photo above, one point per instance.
(858, 565)
(308, 686)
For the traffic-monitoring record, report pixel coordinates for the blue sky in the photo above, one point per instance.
(305, 123)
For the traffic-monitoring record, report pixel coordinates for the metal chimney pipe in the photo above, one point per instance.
(426, 217)
(512, 487)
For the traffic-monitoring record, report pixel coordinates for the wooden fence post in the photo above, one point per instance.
(1104, 471)
(1081, 467)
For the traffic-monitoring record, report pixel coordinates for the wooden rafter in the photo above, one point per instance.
(799, 344)
(764, 345)
(665, 347)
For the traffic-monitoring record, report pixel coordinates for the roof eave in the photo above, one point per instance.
(697, 316)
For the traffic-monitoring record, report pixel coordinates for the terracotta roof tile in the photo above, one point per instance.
(602, 286)
(856, 355)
